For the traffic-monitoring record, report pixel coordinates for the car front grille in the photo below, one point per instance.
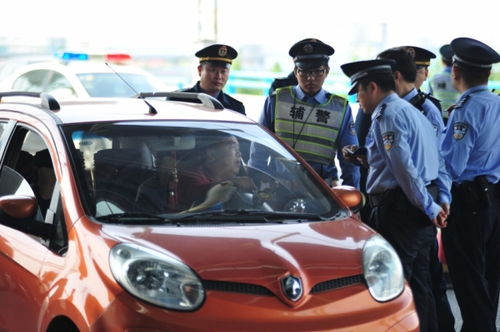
(236, 287)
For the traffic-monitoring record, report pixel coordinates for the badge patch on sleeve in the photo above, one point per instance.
(459, 130)
(352, 129)
(388, 138)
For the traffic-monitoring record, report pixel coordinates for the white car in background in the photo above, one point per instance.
(82, 75)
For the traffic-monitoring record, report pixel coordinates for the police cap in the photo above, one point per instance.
(361, 69)
(421, 55)
(473, 54)
(310, 53)
(446, 52)
(217, 55)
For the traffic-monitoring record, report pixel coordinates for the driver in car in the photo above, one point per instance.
(216, 178)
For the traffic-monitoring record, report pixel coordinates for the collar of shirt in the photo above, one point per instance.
(447, 70)
(387, 99)
(410, 94)
(319, 98)
(471, 91)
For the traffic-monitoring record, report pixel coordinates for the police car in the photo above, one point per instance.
(95, 234)
(84, 75)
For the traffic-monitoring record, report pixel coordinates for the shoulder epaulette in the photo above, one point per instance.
(435, 101)
(462, 102)
(381, 112)
(429, 96)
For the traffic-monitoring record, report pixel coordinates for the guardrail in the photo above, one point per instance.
(258, 83)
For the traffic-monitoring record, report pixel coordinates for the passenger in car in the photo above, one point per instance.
(46, 179)
(215, 179)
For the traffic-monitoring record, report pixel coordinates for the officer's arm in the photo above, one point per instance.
(347, 136)
(267, 115)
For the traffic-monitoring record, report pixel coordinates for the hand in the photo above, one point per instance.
(440, 220)
(363, 160)
(348, 156)
(446, 208)
(335, 183)
(244, 183)
(219, 193)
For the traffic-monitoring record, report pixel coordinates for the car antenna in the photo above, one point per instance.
(152, 110)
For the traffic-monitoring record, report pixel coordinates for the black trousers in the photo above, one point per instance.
(412, 235)
(471, 243)
(446, 320)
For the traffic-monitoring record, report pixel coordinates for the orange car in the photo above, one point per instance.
(112, 218)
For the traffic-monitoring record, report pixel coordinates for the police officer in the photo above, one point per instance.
(441, 85)
(406, 176)
(214, 68)
(472, 153)
(405, 73)
(427, 104)
(289, 80)
(309, 119)
(423, 61)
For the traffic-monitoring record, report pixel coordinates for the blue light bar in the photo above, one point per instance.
(74, 56)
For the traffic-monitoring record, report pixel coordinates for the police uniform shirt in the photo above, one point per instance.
(431, 112)
(403, 151)
(226, 100)
(347, 136)
(471, 146)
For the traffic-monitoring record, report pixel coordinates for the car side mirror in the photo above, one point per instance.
(352, 197)
(19, 211)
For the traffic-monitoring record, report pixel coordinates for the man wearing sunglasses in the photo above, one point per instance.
(308, 118)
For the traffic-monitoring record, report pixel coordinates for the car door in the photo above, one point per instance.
(21, 254)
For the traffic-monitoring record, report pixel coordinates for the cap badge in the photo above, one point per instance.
(411, 50)
(222, 51)
(308, 48)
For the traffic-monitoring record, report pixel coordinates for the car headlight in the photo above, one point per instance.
(156, 278)
(382, 269)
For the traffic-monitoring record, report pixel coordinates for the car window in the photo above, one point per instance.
(59, 86)
(166, 168)
(31, 81)
(29, 170)
(111, 85)
(3, 125)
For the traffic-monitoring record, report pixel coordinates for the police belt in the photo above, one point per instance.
(480, 190)
(378, 199)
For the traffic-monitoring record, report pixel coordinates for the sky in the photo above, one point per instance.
(357, 29)
(269, 22)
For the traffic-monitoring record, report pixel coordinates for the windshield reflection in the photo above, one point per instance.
(169, 169)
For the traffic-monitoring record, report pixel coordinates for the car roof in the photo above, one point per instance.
(79, 67)
(85, 110)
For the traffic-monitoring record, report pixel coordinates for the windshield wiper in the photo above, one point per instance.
(131, 218)
(248, 216)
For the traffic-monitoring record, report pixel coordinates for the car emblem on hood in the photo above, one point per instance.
(292, 287)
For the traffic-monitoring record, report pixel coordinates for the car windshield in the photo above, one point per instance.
(174, 171)
(111, 85)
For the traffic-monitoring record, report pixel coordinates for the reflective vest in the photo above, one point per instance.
(311, 130)
(442, 88)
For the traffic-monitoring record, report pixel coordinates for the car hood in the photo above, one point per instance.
(258, 255)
